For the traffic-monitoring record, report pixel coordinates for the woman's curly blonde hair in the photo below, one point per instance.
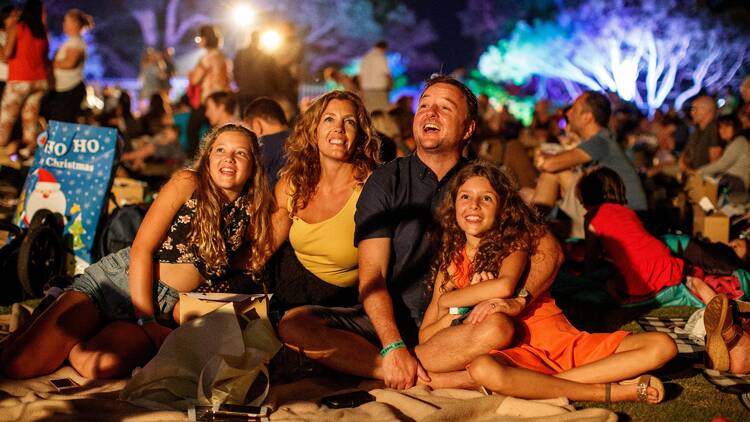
(517, 227)
(255, 201)
(303, 161)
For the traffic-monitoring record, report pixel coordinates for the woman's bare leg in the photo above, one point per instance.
(113, 352)
(636, 355)
(704, 291)
(501, 376)
(45, 344)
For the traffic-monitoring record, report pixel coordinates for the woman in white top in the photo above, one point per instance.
(733, 167)
(64, 103)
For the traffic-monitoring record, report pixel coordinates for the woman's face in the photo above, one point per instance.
(70, 25)
(726, 132)
(230, 162)
(476, 206)
(337, 130)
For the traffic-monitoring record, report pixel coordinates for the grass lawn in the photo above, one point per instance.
(689, 396)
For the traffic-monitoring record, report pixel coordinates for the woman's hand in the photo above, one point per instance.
(481, 276)
(511, 307)
(156, 333)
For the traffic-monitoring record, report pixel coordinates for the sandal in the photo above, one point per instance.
(719, 320)
(643, 382)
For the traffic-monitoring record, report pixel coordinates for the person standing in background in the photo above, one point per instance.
(28, 71)
(375, 78)
(64, 103)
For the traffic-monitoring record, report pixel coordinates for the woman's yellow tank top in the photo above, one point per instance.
(326, 248)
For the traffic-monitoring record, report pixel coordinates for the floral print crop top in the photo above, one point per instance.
(176, 249)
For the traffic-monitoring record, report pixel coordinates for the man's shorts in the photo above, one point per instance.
(352, 319)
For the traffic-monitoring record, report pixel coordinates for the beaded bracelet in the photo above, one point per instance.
(393, 346)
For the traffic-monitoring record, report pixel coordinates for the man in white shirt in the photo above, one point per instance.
(375, 78)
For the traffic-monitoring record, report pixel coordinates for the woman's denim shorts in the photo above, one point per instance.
(106, 283)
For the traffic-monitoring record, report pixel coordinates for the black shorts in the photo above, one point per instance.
(352, 319)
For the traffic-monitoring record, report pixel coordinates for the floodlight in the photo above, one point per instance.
(270, 40)
(243, 15)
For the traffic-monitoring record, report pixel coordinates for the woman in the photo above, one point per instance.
(733, 167)
(211, 74)
(26, 50)
(330, 155)
(65, 102)
(109, 320)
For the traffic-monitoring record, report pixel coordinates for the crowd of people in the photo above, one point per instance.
(396, 246)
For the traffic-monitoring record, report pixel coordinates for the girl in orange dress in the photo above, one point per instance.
(487, 230)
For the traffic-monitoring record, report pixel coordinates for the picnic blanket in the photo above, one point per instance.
(688, 345)
(97, 400)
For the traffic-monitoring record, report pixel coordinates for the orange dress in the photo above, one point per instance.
(545, 341)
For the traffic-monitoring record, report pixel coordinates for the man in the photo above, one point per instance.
(587, 118)
(394, 215)
(265, 117)
(375, 78)
(256, 73)
(220, 108)
(703, 145)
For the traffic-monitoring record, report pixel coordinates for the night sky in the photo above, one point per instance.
(451, 49)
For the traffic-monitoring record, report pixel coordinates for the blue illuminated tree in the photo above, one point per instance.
(646, 51)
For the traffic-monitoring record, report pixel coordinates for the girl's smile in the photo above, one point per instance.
(476, 207)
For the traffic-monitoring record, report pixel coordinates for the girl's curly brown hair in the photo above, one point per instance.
(517, 227)
(303, 160)
(255, 201)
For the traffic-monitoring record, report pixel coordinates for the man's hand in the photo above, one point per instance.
(401, 369)
(511, 307)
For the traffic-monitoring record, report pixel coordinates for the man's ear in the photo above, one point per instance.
(469, 131)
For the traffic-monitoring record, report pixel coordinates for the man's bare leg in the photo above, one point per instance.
(452, 348)
(340, 350)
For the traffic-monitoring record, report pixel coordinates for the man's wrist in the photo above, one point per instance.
(399, 344)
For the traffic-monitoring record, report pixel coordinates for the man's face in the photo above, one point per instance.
(578, 115)
(213, 112)
(702, 111)
(440, 122)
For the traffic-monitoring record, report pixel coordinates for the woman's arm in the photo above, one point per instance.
(72, 58)
(434, 320)
(10, 43)
(154, 228)
(501, 287)
(728, 158)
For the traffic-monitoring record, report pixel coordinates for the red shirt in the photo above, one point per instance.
(645, 262)
(28, 62)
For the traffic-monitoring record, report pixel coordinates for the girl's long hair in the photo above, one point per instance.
(517, 227)
(255, 202)
(303, 159)
(32, 14)
(601, 185)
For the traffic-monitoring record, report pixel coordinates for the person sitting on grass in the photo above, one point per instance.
(488, 239)
(644, 262)
(114, 317)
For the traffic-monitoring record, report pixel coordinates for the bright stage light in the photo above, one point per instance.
(270, 40)
(243, 15)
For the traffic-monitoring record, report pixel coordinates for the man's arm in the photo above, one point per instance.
(563, 160)
(399, 366)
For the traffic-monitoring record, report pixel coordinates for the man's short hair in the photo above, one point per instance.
(265, 108)
(599, 106)
(382, 44)
(472, 105)
(224, 98)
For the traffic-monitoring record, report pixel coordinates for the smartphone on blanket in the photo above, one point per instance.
(352, 399)
(62, 384)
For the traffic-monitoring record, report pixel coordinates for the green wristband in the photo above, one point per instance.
(393, 346)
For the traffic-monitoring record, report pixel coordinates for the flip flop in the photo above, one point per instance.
(715, 319)
(642, 383)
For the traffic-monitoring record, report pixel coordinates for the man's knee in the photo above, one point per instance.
(297, 324)
(493, 333)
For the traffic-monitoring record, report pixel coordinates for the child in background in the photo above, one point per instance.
(645, 263)
(488, 230)
(164, 146)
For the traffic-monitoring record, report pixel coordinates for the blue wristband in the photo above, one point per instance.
(393, 346)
